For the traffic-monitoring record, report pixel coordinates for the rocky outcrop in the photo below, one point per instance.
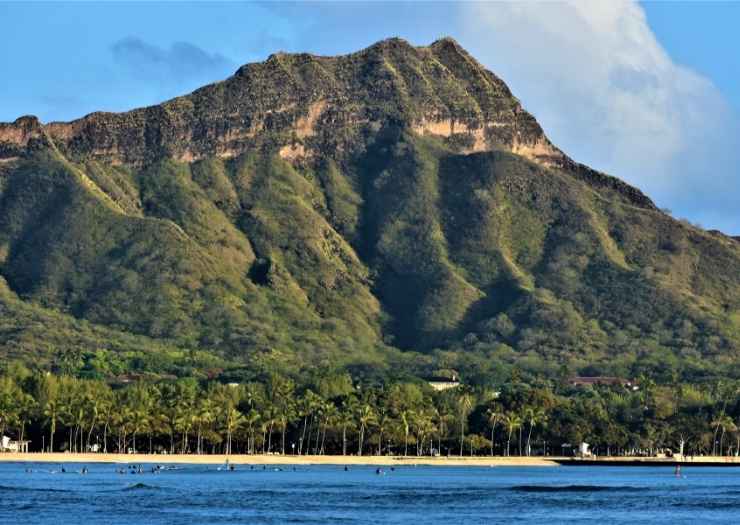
(303, 105)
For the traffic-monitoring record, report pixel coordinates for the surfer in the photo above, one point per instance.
(678, 471)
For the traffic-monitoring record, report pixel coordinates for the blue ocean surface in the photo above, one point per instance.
(329, 494)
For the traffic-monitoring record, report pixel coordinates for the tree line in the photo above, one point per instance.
(331, 413)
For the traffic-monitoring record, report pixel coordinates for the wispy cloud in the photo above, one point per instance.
(181, 63)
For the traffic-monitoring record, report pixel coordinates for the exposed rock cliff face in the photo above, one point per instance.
(332, 207)
(308, 106)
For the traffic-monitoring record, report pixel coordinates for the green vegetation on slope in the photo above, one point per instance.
(372, 212)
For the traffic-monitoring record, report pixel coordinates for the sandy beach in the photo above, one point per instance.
(276, 459)
(270, 459)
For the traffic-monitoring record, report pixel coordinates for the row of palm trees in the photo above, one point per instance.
(270, 417)
(335, 416)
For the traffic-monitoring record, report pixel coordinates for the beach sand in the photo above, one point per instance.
(276, 459)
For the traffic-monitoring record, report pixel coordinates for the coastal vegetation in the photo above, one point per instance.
(330, 412)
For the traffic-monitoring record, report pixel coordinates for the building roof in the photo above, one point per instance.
(599, 380)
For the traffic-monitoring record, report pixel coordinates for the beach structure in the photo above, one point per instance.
(10, 445)
(581, 450)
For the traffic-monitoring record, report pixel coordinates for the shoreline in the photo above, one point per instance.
(452, 461)
(274, 459)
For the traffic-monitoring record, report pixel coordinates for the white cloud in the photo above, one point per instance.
(609, 95)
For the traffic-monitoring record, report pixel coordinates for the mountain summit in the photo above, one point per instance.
(339, 210)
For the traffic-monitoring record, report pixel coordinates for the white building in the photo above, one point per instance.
(10, 445)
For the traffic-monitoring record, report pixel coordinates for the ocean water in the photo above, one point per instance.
(406, 495)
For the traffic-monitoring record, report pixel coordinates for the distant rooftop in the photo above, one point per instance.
(599, 380)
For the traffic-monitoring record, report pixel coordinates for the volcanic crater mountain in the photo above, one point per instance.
(394, 206)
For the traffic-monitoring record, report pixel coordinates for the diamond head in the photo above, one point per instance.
(395, 210)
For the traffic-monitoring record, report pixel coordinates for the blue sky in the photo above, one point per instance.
(649, 91)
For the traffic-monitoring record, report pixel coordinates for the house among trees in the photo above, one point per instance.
(10, 445)
(602, 380)
(444, 380)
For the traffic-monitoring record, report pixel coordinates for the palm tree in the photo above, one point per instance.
(725, 423)
(423, 423)
(512, 422)
(345, 419)
(234, 419)
(251, 420)
(493, 415)
(405, 416)
(365, 416)
(464, 404)
(381, 423)
(305, 408)
(533, 415)
(330, 416)
(280, 393)
(48, 399)
(205, 415)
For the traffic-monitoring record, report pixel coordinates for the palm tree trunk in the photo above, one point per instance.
(303, 435)
(520, 440)
(462, 434)
(323, 438)
(51, 433)
(714, 440)
(318, 436)
(529, 438)
(89, 434)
